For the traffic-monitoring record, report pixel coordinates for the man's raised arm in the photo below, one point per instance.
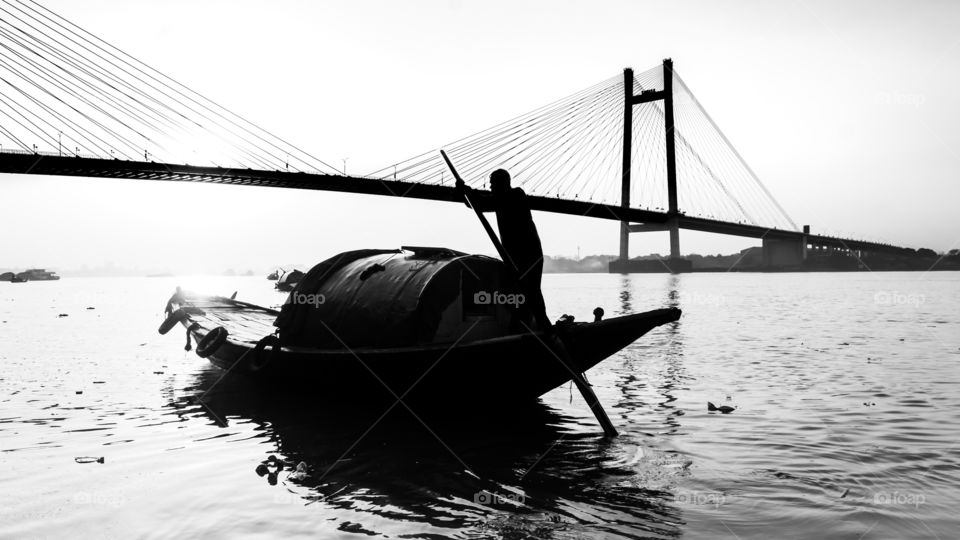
(483, 200)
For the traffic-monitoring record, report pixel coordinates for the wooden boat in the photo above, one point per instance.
(416, 323)
(287, 281)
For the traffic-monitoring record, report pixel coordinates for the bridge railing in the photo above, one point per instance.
(51, 153)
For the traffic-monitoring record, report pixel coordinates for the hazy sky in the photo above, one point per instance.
(847, 111)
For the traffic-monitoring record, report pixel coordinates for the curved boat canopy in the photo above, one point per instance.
(398, 298)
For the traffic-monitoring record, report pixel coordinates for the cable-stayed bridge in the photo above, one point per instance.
(635, 148)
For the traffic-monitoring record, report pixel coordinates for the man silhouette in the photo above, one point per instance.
(518, 234)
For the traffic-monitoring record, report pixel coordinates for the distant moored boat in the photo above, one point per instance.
(37, 274)
(289, 280)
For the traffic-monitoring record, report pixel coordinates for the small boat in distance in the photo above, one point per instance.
(38, 274)
(289, 280)
(429, 324)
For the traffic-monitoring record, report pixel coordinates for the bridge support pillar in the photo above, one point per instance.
(626, 164)
(674, 264)
(624, 240)
(674, 239)
(671, 151)
(806, 240)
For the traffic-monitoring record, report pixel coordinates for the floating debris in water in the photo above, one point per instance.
(300, 473)
(264, 468)
(355, 528)
(724, 409)
(844, 494)
(63, 315)
(79, 391)
(91, 308)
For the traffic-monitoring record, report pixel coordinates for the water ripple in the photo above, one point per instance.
(844, 425)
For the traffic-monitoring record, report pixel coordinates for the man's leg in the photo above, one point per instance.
(530, 283)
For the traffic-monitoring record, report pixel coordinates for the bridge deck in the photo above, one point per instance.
(43, 164)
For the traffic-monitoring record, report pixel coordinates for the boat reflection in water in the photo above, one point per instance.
(534, 471)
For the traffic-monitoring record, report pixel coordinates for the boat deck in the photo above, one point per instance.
(247, 323)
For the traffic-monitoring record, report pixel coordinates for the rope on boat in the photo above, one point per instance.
(192, 328)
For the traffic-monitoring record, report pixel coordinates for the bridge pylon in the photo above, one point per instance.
(675, 264)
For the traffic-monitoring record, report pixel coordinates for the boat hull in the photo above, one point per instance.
(508, 368)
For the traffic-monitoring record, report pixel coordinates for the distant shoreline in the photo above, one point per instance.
(600, 264)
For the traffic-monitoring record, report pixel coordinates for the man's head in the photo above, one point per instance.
(499, 181)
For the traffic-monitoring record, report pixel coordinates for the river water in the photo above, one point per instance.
(846, 423)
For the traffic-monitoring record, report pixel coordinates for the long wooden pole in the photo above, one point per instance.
(558, 349)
